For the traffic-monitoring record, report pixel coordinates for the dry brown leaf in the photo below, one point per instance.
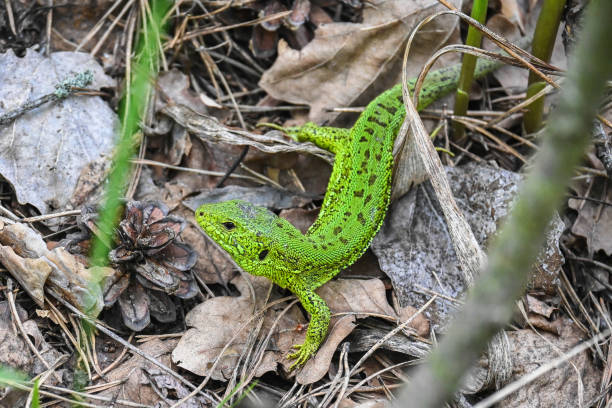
(317, 367)
(339, 66)
(419, 323)
(541, 323)
(214, 323)
(300, 218)
(535, 305)
(356, 296)
(513, 12)
(24, 253)
(594, 221)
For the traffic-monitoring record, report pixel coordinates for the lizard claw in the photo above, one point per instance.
(301, 356)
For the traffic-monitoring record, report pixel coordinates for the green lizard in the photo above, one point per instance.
(352, 212)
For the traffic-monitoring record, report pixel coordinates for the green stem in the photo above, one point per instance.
(462, 97)
(132, 107)
(543, 44)
(489, 305)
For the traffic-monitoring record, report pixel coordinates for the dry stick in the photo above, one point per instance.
(50, 216)
(505, 147)
(490, 303)
(97, 26)
(500, 129)
(9, 214)
(63, 89)
(58, 397)
(79, 348)
(336, 379)
(543, 369)
(206, 31)
(94, 396)
(11, 18)
(102, 39)
(344, 359)
(197, 171)
(516, 108)
(134, 349)
(48, 28)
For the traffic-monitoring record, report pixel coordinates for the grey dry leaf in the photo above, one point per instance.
(15, 353)
(25, 255)
(559, 387)
(414, 249)
(55, 141)
(339, 66)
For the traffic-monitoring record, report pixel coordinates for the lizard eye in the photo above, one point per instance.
(263, 254)
(228, 225)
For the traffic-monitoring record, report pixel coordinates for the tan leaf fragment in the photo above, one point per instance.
(25, 255)
(357, 296)
(419, 323)
(535, 305)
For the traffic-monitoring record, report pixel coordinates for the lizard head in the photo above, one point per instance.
(249, 234)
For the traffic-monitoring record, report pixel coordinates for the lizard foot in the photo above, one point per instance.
(302, 354)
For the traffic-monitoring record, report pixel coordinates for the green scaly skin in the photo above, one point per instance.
(352, 212)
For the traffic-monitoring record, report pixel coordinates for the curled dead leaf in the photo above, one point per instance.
(24, 253)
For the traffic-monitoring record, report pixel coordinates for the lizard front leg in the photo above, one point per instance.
(319, 323)
(328, 138)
